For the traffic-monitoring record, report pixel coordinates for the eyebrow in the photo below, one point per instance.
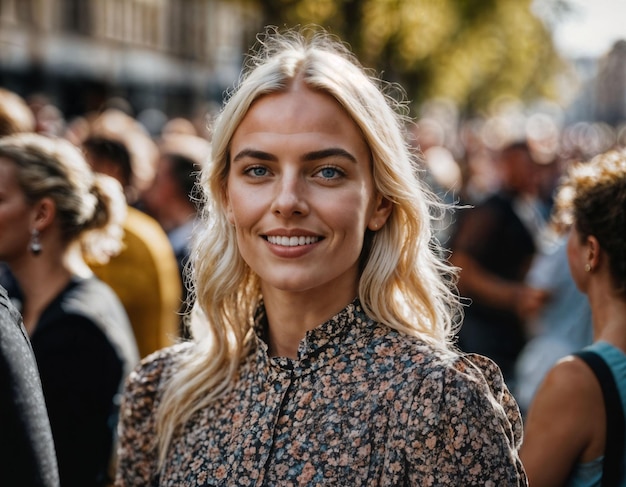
(330, 152)
(310, 156)
(255, 154)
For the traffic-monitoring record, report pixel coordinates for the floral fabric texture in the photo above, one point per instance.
(362, 405)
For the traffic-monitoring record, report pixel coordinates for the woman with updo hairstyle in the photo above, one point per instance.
(54, 211)
(569, 439)
(321, 335)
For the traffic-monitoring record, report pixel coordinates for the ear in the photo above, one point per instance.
(44, 212)
(381, 212)
(593, 251)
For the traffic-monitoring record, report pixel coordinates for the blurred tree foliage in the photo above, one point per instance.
(469, 51)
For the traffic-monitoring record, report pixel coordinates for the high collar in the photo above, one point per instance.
(319, 346)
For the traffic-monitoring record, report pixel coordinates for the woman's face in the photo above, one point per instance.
(15, 214)
(300, 193)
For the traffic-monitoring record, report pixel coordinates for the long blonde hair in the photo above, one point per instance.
(404, 283)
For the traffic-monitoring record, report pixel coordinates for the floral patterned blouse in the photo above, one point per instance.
(362, 405)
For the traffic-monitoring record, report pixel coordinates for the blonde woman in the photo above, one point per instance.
(320, 350)
(54, 211)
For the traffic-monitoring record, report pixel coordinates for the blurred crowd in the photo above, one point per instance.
(498, 175)
(156, 167)
(96, 216)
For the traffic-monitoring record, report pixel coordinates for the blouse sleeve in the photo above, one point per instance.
(465, 428)
(137, 451)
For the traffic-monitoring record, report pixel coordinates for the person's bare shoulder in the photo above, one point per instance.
(563, 422)
(570, 380)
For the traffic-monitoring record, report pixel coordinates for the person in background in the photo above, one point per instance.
(493, 244)
(321, 332)
(54, 210)
(27, 455)
(179, 126)
(144, 274)
(116, 125)
(561, 326)
(49, 119)
(564, 442)
(171, 200)
(15, 115)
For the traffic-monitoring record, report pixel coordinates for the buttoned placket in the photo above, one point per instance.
(272, 382)
(271, 378)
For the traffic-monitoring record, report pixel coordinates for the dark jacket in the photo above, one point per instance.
(27, 456)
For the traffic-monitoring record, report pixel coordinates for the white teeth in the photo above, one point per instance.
(291, 241)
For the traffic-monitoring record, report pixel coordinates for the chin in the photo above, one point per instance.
(289, 286)
(291, 283)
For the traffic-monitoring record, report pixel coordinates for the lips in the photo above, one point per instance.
(293, 241)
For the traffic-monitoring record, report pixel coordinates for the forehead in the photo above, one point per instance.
(299, 109)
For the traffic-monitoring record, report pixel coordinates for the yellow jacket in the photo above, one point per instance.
(146, 279)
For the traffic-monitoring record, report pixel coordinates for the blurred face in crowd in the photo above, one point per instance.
(519, 171)
(15, 214)
(162, 190)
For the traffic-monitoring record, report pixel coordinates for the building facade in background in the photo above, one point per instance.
(177, 56)
(169, 55)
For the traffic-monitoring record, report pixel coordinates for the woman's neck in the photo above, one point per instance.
(41, 278)
(291, 315)
(609, 324)
(608, 311)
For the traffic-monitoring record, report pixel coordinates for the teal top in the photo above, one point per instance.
(589, 474)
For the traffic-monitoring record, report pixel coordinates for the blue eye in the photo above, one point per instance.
(257, 171)
(330, 173)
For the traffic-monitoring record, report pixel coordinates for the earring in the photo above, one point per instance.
(35, 244)
(587, 268)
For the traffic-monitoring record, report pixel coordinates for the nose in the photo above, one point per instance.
(290, 198)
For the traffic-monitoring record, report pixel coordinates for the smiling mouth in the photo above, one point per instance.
(292, 241)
